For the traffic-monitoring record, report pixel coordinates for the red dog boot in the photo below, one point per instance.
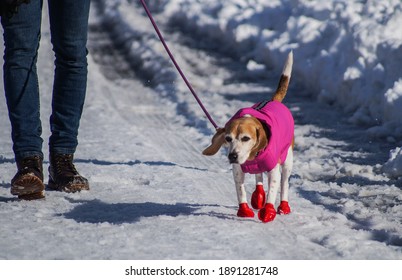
(284, 208)
(258, 197)
(245, 211)
(267, 214)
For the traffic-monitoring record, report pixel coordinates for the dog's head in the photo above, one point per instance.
(244, 136)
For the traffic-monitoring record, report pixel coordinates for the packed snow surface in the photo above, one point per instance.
(155, 196)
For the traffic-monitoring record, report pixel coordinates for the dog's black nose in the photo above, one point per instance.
(233, 157)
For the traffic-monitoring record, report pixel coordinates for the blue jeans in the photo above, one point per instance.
(68, 29)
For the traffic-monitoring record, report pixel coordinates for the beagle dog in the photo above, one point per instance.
(260, 139)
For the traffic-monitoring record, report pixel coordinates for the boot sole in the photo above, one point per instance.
(32, 196)
(28, 187)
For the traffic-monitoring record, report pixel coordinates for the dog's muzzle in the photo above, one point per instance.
(233, 157)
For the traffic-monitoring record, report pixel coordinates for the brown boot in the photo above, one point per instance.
(63, 176)
(28, 182)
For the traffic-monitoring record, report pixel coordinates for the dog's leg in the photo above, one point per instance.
(259, 179)
(238, 176)
(268, 213)
(286, 172)
(258, 197)
(244, 209)
(274, 177)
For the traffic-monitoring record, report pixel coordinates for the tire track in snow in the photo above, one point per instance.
(144, 107)
(153, 118)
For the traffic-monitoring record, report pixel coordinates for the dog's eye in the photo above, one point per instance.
(245, 138)
(228, 139)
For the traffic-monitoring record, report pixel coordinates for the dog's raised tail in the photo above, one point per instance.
(284, 80)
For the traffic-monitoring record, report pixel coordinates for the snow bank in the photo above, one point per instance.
(393, 166)
(347, 53)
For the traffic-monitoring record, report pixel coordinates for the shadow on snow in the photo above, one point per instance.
(96, 211)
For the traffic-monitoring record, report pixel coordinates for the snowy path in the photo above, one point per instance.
(154, 196)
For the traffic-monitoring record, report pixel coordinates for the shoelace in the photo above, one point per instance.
(31, 163)
(64, 165)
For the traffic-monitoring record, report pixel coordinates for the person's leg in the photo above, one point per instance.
(69, 27)
(21, 40)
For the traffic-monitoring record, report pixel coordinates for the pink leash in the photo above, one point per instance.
(177, 66)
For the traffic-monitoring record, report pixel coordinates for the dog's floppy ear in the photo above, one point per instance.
(262, 141)
(217, 141)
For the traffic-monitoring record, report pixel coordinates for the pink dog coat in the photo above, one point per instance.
(279, 120)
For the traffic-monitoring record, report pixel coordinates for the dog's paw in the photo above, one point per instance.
(258, 197)
(284, 208)
(245, 211)
(267, 214)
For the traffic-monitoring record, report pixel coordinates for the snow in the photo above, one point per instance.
(154, 196)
